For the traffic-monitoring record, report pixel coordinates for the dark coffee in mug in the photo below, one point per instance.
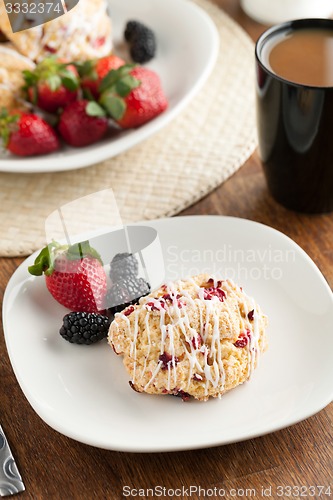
(302, 56)
(294, 63)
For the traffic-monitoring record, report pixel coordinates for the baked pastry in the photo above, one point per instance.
(82, 33)
(11, 79)
(200, 337)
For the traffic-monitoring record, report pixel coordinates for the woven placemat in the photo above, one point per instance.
(186, 160)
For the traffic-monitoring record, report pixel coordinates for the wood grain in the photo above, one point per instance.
(54, 466)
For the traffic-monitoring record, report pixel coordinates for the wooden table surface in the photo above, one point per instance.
(54, 466)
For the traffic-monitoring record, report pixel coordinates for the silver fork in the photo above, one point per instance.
(10, 478)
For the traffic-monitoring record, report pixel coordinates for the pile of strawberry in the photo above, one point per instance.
(80, 102)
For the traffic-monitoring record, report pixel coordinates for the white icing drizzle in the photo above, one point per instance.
(149, 346)
(157, 369)
(253, 327)
(163, 329)
(216, 339)
(134, 340)
(169, 377)
(172, 352)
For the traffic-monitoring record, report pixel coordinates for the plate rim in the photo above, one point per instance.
(80, 159)
(208, 443)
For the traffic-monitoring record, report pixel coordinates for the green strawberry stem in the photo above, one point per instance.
(114, 105)
(8, 123)
(86, 68)
(115, 76)
(44, 262)
(114, 87)
(81, 250)
(52, 72)
(94, 109)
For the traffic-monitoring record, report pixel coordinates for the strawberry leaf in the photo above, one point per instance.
(69, 80)
(3, 113)
(114, 75)
(30, 78)
(125, 69)
(114, 105)
(94, 109)
(86, 68)
(34, 94)
(54, 82)
(126, 84)
(86, 92)
(7, 122)
(109, 80)
(80, 250)
(42, 263)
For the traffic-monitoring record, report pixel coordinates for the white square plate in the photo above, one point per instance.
(83, 392)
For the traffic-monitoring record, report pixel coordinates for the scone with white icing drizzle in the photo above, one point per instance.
(11, 77)
(199, 337)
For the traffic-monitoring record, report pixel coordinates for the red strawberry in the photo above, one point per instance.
(52, 84)
(92, 72)
(74, 276)
(132, 95)
(26, 134)
(83, 122)
(106, 64)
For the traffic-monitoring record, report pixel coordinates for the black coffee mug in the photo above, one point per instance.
(295, 131)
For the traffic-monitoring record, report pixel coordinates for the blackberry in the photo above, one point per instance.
(142, 41)
(84, 328)
(143, 49)
(127, 292)
(131, 29)
(123, 265)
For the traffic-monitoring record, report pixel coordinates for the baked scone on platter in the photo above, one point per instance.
(11, 78)
(82, 33)
(199, 337)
